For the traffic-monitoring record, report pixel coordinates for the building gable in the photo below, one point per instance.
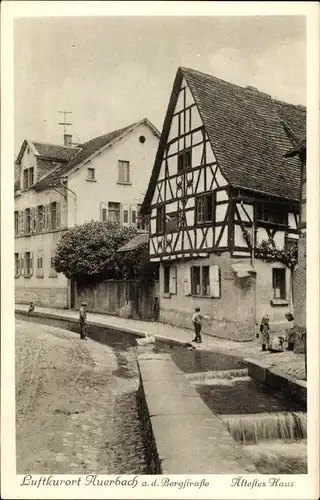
(189, 177)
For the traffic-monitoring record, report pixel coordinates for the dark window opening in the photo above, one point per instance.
(166, 279)
(184, 160)
(28, 264)
(142, 139)
(272, 214)
(204, 209)
(160, 220)
(40, 218)
(279, 283)
(172, 221)
(53, 213)
(28, 221)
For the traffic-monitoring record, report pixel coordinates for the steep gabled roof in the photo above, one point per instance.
(54, 152)
(47, 151)
(247, 133)
(87, 150)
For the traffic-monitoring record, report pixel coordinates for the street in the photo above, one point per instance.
(74, 413)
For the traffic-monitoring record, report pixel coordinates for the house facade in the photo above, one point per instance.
(219, 191)
(299, 277)
(102, 179)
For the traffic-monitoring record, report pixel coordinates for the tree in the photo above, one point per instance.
(87, 252)
(135, 264)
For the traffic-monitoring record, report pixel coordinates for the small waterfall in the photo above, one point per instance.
(279, 457)
(221, 374)
(253, 428)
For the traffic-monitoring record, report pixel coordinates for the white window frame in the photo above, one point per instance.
(124, 172)
(112, 210)
(91, 174)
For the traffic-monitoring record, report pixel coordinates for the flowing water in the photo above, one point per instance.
(271, 427)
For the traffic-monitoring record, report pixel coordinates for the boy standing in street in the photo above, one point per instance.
(196, 320)
(83, 321)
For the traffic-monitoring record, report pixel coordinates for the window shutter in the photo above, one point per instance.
(187, 282)
(37, 220)
(58, 215)
(125, 222)
(173, 280)
(31, 263)
(22, 264)
(21, 222)
(19, 265)
(214, 275)
(49, 217)
(33, 220)
(45, 218)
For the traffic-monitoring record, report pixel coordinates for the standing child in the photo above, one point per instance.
(290, 333)
(196, 320)
(83, 321)
(264, 333)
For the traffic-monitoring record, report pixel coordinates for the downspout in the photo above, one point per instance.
(69, 305)
(254, 231)
(75, 196)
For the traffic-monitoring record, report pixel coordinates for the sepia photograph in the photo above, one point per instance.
(160, 229)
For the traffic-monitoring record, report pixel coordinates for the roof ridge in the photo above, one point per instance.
(51, 144)
(108, 133)
(243, 88)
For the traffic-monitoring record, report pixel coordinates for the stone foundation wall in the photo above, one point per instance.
(47, 297)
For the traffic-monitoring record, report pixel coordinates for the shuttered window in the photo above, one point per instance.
(28, 264)
(205, 281)
(27, 221)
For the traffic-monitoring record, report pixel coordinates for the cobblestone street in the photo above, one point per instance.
(75, 413)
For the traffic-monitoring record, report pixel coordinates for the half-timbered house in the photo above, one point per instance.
(219, 190)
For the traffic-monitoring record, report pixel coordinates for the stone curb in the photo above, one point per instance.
(271, 377)
(61, 317)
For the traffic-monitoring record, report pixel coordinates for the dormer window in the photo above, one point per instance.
(184, 160)
(28, 177)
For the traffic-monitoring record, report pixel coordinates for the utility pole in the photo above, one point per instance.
(67, 138)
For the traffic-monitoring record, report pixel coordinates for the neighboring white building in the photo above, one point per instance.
(219, 187)
(57, 187)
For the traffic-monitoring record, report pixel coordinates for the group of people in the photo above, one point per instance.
(276, 344)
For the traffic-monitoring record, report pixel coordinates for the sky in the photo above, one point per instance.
(112, 71)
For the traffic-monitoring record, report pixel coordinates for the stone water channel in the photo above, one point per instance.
(271, 428)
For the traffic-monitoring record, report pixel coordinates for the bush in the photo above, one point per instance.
(87, 252)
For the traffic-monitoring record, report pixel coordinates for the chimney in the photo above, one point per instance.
(67, 139)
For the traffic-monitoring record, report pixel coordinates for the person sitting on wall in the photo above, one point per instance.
(31, 308)
(290, 332)
(276, 344)
(264, 332)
